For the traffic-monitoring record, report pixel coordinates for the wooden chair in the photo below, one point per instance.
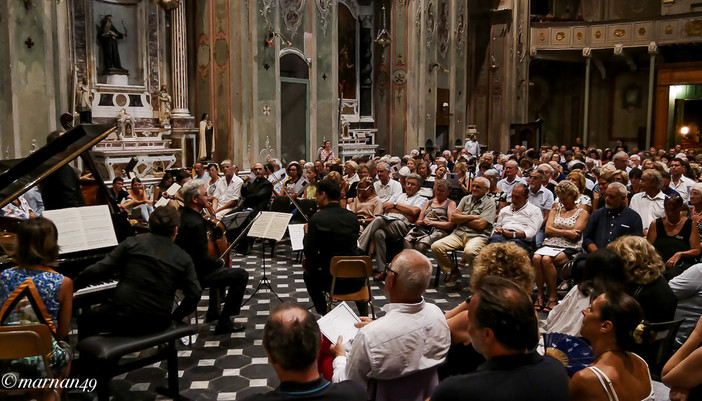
(27, 341)
(351, 267)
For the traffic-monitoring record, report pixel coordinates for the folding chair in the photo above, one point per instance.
(351, 267)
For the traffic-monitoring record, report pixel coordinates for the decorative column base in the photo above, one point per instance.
(182, 121)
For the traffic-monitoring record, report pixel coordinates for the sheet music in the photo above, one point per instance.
(83, 228)
(173, 189)
(297, 236)
(270, 225)
(339, 322)
(548, 251)
(162, 201)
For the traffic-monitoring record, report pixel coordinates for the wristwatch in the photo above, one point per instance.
(394, 205)
(514, 234)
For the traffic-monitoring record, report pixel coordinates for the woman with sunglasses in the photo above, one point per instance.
(367, 204)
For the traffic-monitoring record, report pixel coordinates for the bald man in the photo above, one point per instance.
(412, 336)
(291, 338)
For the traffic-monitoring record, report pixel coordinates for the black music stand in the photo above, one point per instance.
(271, 226)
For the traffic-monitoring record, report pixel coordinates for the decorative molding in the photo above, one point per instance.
(202, 55)
(430, 22)
(443, 30)
(460, 33)
(352, 5)
(324, 7)
(292, 11)
(399, 77)
(265, 10)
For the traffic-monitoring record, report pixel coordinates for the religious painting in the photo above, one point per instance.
(117, 45)
(347, 53)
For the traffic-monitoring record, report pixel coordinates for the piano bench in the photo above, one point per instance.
(103, 354)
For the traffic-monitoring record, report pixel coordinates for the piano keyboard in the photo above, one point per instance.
(108, 285)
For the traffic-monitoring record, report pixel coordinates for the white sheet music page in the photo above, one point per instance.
(339, 322)
(270, 225)
(83, 228)
(297, 236)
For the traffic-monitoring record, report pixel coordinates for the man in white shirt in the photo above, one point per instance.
(200, 172)
(518, 222)
(412, 336)
(399, 212)
(649, 202)
(227, 190)
(542, 198)
(678, 180)
(507, 184)
(385, 187)
(621, 161)
(472, 146)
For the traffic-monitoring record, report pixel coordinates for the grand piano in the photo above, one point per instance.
(19, 175)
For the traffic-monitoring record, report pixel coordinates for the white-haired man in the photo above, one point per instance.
(227, 190)
(412, 336)
(649, 202)
(511, 178)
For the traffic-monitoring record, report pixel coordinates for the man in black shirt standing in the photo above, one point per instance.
(257, 196)
(332, 231)
(211, 272)
(292, 339)
(150, 268)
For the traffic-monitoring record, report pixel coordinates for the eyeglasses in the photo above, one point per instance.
(389, 270)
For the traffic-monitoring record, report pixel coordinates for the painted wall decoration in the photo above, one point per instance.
(460, 30)
(324, 7)
(430, 22)
(265, 10)
(292, 14)
(443, 31)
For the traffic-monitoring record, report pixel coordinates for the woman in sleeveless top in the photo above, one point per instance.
(367, 204)
(683, 371)
(433, 221)
(564, 230)
(36, 254)
(675, 238)
(616, 374)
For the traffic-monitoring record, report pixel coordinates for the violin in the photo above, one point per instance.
(217, 244)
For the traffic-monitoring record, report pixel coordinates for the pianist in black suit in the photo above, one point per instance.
(150, 268)
(192, 237)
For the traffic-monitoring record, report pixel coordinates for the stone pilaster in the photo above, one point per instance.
(179, 68)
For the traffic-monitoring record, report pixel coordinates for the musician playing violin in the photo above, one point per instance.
(192, 237)
(227, 190)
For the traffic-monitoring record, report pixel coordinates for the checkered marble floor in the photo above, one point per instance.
(233, 366)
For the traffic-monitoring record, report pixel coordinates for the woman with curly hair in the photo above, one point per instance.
(505, 259)
(643, 268)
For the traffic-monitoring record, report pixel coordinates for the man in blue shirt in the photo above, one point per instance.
(611, 222)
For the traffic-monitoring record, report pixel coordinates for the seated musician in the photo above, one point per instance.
(149, 269)
(181, 177)
(36, 254)
(333, 231)
(211, 272)
(227, 190)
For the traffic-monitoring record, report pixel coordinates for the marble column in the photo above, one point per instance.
(179, 63)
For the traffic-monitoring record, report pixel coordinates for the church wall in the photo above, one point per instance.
(34, 83)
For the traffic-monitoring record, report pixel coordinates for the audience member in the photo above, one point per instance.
(678, 179)
(614, 221)
(138, 200)
(433, 221)
(542, 198)
(503, 327)
(473, 219)
(399, 212)
(649, 202)
(683, 371)
(511, 178)
(227, 190)
(675, 237)
(518, 222)
(616, 373)
(411, 337)
(687, 287)
(386, 188)
(291, 338)
(563, 231)
(644, 278)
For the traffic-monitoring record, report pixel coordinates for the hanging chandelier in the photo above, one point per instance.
(383, 39)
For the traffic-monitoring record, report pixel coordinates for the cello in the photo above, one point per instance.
(217, 244)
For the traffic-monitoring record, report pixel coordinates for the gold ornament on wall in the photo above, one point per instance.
(169, 5)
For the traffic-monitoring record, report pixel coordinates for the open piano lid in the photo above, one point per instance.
(19, 175)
